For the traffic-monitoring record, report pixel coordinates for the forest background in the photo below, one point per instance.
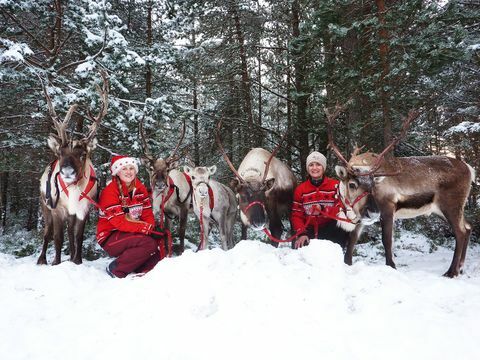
(263, 67)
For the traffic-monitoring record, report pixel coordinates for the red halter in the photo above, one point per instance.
(91, 183)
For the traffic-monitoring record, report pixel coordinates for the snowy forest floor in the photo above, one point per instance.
(251, 302)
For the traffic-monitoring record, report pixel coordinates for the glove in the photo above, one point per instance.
(157, 230)
(146, 229)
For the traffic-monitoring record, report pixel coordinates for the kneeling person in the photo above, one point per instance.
(315, 202)
(125, 225)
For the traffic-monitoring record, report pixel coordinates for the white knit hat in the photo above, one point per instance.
(119, 161)
(317, 157)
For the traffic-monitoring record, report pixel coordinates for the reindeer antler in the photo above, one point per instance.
(272, 155)
(59, 125)
(103, 92)
(412, 115)
(331, 117)
(174, 157)
(224, 154)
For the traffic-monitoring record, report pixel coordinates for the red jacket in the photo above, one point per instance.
(310, 200)
(134, 214)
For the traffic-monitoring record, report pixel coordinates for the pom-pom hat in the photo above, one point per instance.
(317, 157)
(119, 161)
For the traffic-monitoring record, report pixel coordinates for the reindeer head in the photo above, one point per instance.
(362, 172)
(251, 190)
(251, 197)
(200, 179)
(73, 154)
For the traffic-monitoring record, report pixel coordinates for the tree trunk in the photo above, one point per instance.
(383, 51)
(4, 177)
(148, 74)
(246, 84)
(301, 98)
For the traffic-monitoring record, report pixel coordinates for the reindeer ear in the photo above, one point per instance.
(53, 143)
(269, 183)
(187, 169)
(212, 169)
(341, 172)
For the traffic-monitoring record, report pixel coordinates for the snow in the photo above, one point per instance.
(252, 302)
(13, 51)
(467, 127)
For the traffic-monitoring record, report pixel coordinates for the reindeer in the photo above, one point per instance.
(264, 187)
(213, 202)
(171, 188)
(72, 176)
(376, 187)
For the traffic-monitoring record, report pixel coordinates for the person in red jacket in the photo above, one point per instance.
(126, 221)
(314, 201)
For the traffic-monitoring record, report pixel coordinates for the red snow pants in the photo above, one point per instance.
(134, 252)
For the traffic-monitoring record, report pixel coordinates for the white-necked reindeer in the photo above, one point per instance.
(264, 187)
(68, 182)
(213, 201)
(171, 189)
(377, 187)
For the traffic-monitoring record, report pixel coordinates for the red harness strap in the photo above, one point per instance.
(84, 194)
(211, 202)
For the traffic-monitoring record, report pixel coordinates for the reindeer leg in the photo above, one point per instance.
(352, 240)
(275, 229)
(468, 232)
(387, 236)
(225, 233)
(78, 242)
(71, 235)
(47, 236)
(206, 231)
(460, 246)
(244, 232)
(230, 224)
(182, 227)
(58, 238)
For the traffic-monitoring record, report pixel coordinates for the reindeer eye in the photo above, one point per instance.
(193, 177)
(352, 186)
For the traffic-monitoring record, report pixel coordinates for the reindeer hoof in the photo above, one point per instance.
(451, 274)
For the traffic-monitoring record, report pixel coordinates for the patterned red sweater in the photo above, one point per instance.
(308, 199)
(133, 215)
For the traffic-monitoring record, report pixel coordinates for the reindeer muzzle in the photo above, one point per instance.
(68, 174)
(202, 189)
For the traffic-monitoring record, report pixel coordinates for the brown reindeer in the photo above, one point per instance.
(264, 187)
(171, 188)
(67, 183)
(375, 187)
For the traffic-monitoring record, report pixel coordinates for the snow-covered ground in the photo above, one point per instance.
(252, 302)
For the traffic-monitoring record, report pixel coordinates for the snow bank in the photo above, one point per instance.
(251, 302)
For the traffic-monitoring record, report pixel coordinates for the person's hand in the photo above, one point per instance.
(302, 241)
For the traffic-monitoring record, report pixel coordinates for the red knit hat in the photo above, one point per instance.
(119, 161)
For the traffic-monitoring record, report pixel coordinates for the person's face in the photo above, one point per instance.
(315, 170)
(127, 174)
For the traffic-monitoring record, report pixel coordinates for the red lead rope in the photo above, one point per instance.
(302, 229)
